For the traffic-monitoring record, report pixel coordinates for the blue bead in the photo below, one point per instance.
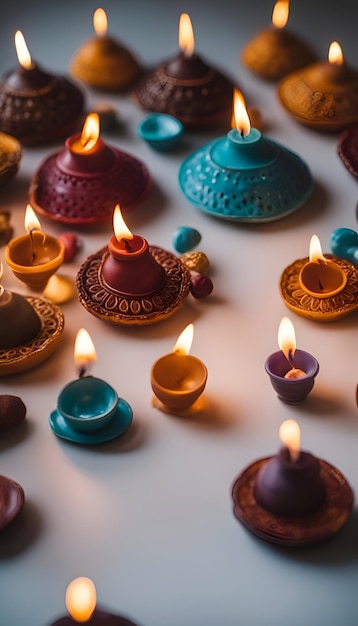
(344, 244)
(185, 238)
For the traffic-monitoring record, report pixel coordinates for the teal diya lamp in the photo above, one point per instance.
(245, 176)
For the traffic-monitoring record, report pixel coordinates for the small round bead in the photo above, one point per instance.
(200, 286)
(185, 238)
(12, 411)
(196, 262)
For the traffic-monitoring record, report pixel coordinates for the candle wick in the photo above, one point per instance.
(32, 244)
(290, 358)
(82, 372)
(126, 243)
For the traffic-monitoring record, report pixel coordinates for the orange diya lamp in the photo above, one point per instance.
(323, 288)
(130, 282)
(82, 183)
(186, 87)
(323, 95)
(35, 106)
(276, 51)
(102, 62)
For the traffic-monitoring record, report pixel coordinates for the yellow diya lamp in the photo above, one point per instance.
(102, 62)
(276, 51)
(10, 157)
(323, 95)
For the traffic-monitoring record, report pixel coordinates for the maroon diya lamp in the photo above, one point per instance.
(292, 498)
(83, 182)
(35, 106)
(186, 87)
(131, 283)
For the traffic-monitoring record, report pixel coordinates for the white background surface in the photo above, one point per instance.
(148, 516)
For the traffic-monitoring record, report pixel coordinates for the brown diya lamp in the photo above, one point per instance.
(102, 62)
(276, 51)
(186, 87)
(131, 283)
(82, 183)
(323, 95)
(35, 106)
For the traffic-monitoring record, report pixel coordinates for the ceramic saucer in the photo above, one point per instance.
(116, 427)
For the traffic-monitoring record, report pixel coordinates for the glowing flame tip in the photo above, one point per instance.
(31, 220)
(81, 599)
(22, 51)
(290, 436)
(335, 54)
(121, 230)
(84, 351)
(100, 22)
(186, 35)
(184, 341)
(280, 13)
(287, 338)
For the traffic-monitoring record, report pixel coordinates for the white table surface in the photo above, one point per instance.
(149, 516)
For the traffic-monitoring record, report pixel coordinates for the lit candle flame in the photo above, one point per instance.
(316, 250)
(184, 341)
(31, 221)
(280, 13)
(90, 133)
(335, 54)
(22, 51)
(100, 22)
(242, 121)
(120, 228)
(186, 35)
(290, 436)
(287, 338)
(84, 351)
(81, 599)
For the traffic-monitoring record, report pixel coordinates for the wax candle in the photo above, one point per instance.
(35, 106)
(178, 379)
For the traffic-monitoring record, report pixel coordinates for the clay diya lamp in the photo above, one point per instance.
(291, 371)
(347, 148)
(323, 95)
(178, 379)
(81, 599)
(322, 288)
(82, 183)
(35, 106)
(102, 62)
(244, 176)
(344, 244)
(276, 51)
(186, 87)
(10, 157)
(293, 498)
(12, 498)
(130, 282)
(30, 329)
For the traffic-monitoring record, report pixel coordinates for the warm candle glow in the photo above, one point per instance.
(287, 338)
(280, 13)
(120, 228)
(81, 599)
(290, 436)
(100, 22)
(89, 135)
(242, 121)
(316, 250)
(22, 51)
(1, 273)
(186, 35)
(335, 54)
(31, 221)
(84, 351)
(184, 341)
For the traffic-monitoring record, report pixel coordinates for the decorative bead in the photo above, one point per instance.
(196, 262)
(185, 238)
(12, 411)
(200, 286)
(72, 245)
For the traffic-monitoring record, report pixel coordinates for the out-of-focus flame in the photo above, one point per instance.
(84, 351)
(335, 54)
(184, 341)
(186, 35)
(100, 22)
(81, 599)
(120, 228)
(290, 436)
(22, 51)
(280, 13)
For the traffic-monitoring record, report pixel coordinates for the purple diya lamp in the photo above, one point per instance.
(347, 148)
(322, 288)
(244, 176)
(186, 87)
(81, 599)
(82, 183)
(275, 51)
(102, 62)
(37, 107)
(129, 282)
(292, 372)
(293, 498)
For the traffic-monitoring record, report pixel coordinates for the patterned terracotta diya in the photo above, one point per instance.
(186, 87)
(324, 95)
(131, 283)
(102, 62)
(322, 288)
(35, 106)
(348, 148)
(82, 183)
(275, 51)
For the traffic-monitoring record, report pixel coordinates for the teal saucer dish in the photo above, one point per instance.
(116, 427)
(161, 131)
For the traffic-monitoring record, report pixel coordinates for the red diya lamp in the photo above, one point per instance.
(102, 62)
(81, 600)
(275, 51)
(130, 282)
(323, 95)
(82, 183)
(292, 498)
(186, 87)
(35, 106)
